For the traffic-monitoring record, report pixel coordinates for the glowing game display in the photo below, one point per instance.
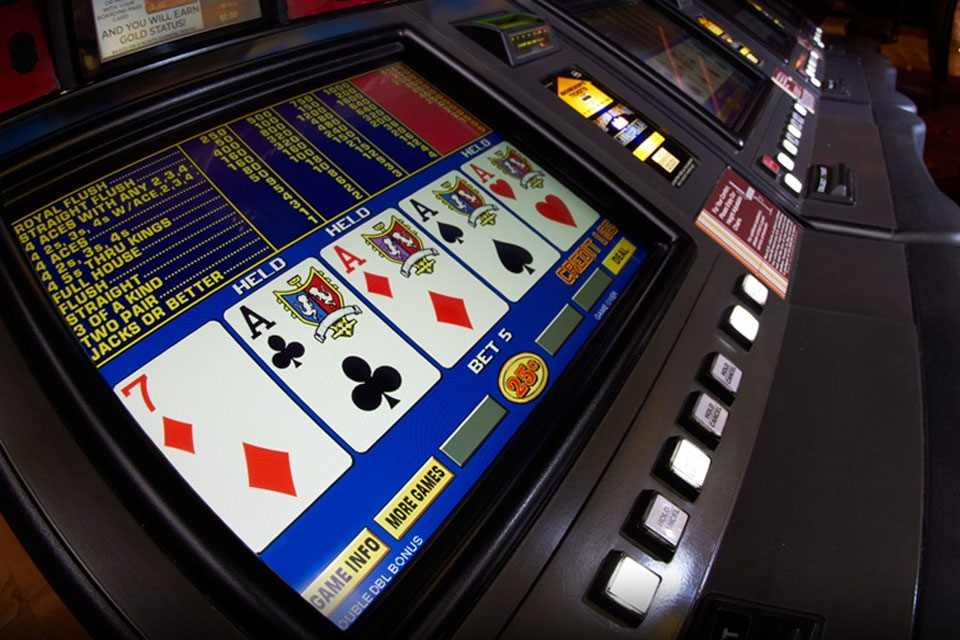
(331, 315)
(715, 84)
(752, 21)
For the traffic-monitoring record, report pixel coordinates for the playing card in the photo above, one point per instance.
(351, 369)
(487, 236)
(416, 284)
(243, 445)
(532, 194)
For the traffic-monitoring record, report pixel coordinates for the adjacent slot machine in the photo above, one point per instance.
(432, 319)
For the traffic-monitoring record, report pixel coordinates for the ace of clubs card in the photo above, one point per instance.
(351, 369)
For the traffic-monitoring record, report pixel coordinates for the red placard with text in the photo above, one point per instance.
(26, 70)
(752, 229)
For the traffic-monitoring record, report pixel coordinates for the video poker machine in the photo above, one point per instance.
(473, 320)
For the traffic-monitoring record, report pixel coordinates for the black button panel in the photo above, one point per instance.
(719, 617)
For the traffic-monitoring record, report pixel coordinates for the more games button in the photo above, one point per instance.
(412, 500)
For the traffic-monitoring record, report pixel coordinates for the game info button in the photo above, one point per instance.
(412, 500)
(339, 578)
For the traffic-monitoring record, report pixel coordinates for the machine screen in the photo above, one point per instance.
(753, 22)
(717, 85)
(331, 314)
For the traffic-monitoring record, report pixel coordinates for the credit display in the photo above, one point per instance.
(331, 315)
(716, 85)
(126, 26)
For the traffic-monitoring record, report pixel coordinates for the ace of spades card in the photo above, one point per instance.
(532, 193)
(333, 352)
(418, 286)
(486, 236)
(243, 445)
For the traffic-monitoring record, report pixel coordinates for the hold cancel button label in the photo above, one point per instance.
(413, 499)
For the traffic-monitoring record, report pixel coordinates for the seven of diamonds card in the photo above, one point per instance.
(253, 456)
(416, 284)
(335, 354)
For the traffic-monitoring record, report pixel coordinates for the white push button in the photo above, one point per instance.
(664, 521)
(793, 183)
(742, 326)
(752, 290)
(789, 147)
(799, 108)
(688, 464)
(791, 128)
(785, 161)
(709, 415)
(725, 374)
(631, 586)
(815, 82)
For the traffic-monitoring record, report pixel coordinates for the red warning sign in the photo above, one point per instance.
(752, 229)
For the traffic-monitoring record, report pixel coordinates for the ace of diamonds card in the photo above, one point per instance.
(416, 284)
(533, 194)
(248, 450)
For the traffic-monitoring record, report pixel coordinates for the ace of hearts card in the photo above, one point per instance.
(533, 194)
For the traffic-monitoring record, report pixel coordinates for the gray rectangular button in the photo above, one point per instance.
(559, 329)
(591, 290)
(474, 429)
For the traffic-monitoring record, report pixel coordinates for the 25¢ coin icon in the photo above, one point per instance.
(523, 377)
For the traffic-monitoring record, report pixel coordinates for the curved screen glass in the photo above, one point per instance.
(716, 84)
(331, 314)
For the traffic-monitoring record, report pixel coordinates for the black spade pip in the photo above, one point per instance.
(514, 258)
